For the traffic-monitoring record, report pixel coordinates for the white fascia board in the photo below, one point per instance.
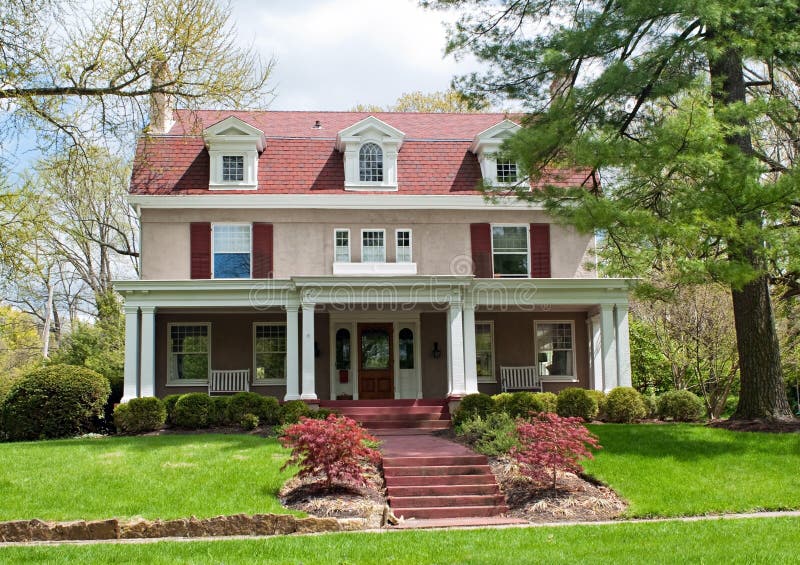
(343, 201)
(489, 137)
(352, 133)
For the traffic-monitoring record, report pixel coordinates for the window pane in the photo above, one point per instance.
(511, 265)
(403, 246)
(510, 238)
(483, 350)
(370, 163)
(406, 346)
(373, 249)
(191, 366)
(506, 171)
(374, 349)
(343, 350)
(232, 168)
(231, 265)
(270, 352)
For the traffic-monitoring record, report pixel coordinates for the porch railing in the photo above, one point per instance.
(519, 378)
(229, 381)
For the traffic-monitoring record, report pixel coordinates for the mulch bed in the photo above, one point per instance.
(770, 426)
(575, 499)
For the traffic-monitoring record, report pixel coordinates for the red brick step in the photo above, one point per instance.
(418, 480)
(433, 470)
(446, 501)
(449, 512)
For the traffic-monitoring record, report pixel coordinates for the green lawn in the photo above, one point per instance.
(684, 469)
(762, 540)
(171, 476)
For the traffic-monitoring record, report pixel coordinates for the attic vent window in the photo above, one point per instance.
(232, 168)
(370, 163)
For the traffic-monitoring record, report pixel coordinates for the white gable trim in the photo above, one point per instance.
(356, 133)
(221, 132)
(370, 130)
(233, 137)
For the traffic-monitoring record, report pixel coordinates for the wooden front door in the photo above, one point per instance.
(375, 361)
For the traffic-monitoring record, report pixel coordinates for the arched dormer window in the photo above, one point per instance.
(370, 163)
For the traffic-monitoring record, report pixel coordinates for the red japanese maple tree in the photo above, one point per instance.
(550, 443)
(335, 448)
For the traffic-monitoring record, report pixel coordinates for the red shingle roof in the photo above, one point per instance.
(434, 158)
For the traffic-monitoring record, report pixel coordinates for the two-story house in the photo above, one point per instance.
(346, 255)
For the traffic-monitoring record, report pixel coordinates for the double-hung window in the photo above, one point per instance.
(341, 246)
(231, 247)
(188, 354)
(373, 246)
(403, 246)
(270, 353)
(510, 251)
(555, 354)
(484, 351)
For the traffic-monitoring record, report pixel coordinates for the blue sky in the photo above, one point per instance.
(334, 54)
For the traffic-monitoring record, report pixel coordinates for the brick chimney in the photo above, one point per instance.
(160, 104)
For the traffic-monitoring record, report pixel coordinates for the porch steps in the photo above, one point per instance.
(445, 486)
(404, 415)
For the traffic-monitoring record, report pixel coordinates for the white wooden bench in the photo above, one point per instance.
(228, 381)
(519, 378)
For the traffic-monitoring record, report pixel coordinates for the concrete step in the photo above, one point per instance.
(444, 460)
(398, 424)
(437, 470)
(446, 501)
(442, 490)
(449, 512)
(425, 480)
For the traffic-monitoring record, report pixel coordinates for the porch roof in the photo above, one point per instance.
(265, 293)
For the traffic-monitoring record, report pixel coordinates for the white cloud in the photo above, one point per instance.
(334, 54)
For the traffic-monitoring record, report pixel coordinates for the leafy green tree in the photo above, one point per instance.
(438, 102)
(672, 102)
(650, 370)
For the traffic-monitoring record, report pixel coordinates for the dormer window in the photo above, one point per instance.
(232, 168)
(370, 163)
(496, 170)
(506, 171)
(233, 148)
(370, 150)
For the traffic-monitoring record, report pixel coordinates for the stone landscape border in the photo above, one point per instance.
(218, 526)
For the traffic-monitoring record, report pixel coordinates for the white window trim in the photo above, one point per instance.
(410, 245)
(493, 377)
(349, 244)
(186, 382)
(250, 172)
(554, 378)
(362, 245)
(257, 381)
(250, 226)
(528, 241)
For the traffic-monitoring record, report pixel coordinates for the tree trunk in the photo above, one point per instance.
(762, 394)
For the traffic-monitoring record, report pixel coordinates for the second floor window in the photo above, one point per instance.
(506, 170)
(341, 244)
(510, 251)
(373, 246)
(231, 247)
(232, 168)
(370, 163)
(403, 250)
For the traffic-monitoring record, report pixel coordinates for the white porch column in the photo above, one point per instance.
(131, 386)
(470, 360)
(308, 352)
(609, 346)
(147, 386)
(455, 348)
(292, 354)
(596, 351)
(623, 346)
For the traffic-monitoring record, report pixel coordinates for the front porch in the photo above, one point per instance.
(329, 338)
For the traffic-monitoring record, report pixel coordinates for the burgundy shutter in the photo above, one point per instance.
(481, 237)
(200, 250)
(262, 251)
(540, 251)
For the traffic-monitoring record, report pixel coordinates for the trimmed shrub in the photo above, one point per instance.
(249, 422)
(548, 400)
(624, 404)
(291, 412)
(492, 436)
(322, 413)
(140, 415)
(473, 405)
(550, 444)
(265, 407)
(53, 402)
(218, 415)
(600, 398)
(192, 410)
(335, 448)
(576, 402)
(169, 403)
(680, 406)
(651, 404)
(501, 401)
